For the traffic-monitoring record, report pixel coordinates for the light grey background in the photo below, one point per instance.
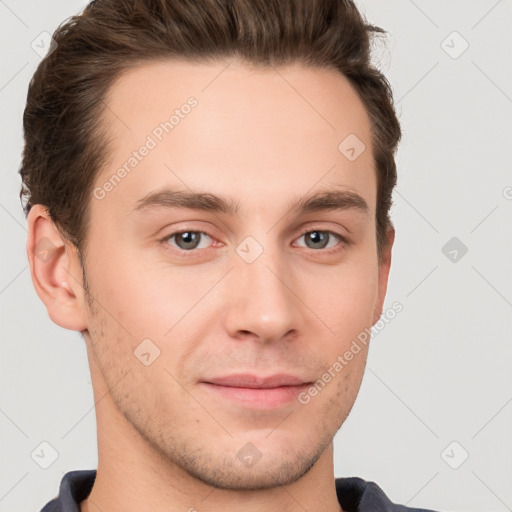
(438, 373)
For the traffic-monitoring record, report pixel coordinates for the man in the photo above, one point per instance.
(208, 188)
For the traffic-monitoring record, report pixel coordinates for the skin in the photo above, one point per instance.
(166, 441)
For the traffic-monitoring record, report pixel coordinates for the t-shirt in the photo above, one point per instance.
(354, 495)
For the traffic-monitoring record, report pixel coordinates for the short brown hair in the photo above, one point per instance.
(64, 144)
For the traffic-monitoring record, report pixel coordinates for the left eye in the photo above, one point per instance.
(189, 240)
(320, 239)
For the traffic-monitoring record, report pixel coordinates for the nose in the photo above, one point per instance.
(263, 300)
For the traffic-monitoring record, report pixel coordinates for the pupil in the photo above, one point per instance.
(188, 239)
(318, 237)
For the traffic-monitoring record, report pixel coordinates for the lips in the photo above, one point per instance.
(257, 392)
(256, 382)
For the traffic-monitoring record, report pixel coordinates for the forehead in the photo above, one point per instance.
(234, 129)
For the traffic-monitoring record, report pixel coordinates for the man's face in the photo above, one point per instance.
(248, 316)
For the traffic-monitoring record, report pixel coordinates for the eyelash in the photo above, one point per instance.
(342, 241)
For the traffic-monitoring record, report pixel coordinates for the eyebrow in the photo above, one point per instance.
(330, 200)
(204, 201)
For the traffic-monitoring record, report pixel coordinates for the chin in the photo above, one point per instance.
(232, 474)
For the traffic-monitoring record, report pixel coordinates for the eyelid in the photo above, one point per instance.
(324, 229)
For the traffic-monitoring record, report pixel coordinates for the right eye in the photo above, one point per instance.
(188, 240)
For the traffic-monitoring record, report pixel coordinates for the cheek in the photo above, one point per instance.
(344, 296)
(139, 298)
(147, 296)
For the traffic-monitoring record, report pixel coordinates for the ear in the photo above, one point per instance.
(383, 275)
(56, 271)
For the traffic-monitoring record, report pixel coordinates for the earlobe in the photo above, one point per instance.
(384, 267)
(55, 270)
